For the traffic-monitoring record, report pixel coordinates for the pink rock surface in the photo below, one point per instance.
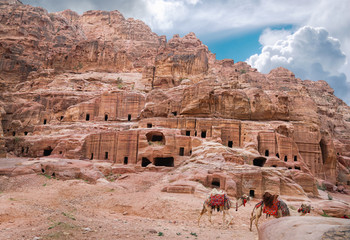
(306, 228)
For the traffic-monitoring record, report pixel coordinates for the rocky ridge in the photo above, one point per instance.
(100, 87)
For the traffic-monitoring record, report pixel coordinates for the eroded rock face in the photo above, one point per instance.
(99, 86)
(305, 228)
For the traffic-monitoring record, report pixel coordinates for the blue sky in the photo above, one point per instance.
(237, 47)
(309, 37)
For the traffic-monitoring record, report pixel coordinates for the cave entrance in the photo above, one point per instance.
(295, 158)
(267, 153)
(48, 151)
(277, 155)
(182, 151)
(285, 158)
(126, 160)
(188, 133)
(230, 144)
(260, 161)
(203, 134)
(251, 193)
(129, 117)
(87, 118)
(106, 117)
(155, 137)
(145, 162)
(323, 147)
(215, 183)
(92, 156)
(164, 161)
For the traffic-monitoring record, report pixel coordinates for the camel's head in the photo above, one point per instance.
(242, 201)
(268, 199)
(246, 197)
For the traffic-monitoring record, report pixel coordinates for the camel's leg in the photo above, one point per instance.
(251, 222)
(223, 217)
(231, 218)
(204, 209)
(209, 215)
(252, 217)
(258, 215)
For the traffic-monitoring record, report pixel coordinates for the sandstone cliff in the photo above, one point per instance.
(99, 86)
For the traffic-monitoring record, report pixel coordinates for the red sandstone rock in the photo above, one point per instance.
(333, 208)
(99, 86)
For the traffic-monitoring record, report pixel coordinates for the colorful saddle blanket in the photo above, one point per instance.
(273, 209)
(219, 200)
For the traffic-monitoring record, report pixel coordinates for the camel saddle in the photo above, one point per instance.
(277, 204)
(273, 209)
(217, 200)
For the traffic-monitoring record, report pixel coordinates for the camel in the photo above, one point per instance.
(270, 205)
(304, 209)
(227, 203)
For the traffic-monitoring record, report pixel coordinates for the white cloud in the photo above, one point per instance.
(270, 37)
(161, 13)
(193, 2)
(311, 53)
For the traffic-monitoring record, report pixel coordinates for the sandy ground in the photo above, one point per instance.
(37, 207)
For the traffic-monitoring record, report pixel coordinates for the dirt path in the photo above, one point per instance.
(134, 208)
(37, 207)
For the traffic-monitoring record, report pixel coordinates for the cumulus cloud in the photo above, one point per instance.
(311, 53)
(269, 36)
(162, 13)
(200, 16)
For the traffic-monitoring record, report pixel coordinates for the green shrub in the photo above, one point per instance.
(69, 215)
(324, 214)
(321, 187)
(330, 197)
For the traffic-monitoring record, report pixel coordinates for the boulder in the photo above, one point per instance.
(306, 228)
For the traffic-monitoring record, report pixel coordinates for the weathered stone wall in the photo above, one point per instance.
(226, 130)
(132, 146)
(113, 106)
